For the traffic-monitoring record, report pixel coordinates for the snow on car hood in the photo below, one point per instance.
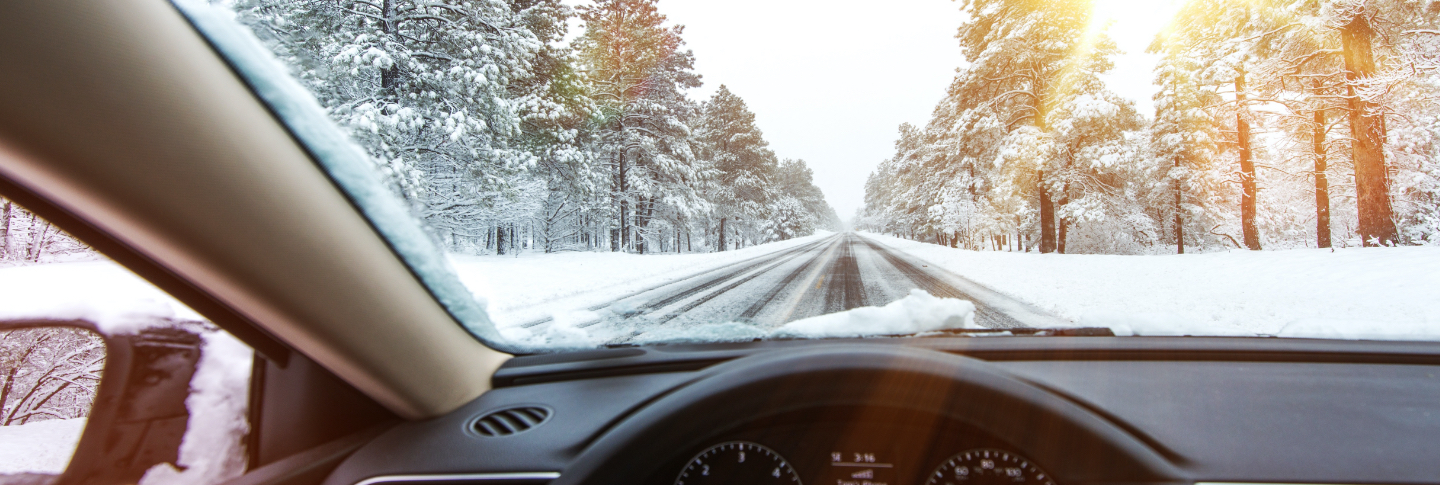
(917, 313)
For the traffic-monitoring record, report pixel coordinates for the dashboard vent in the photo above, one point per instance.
(506, 422)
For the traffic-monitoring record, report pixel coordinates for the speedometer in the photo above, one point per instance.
(737, 462)
(988, 466)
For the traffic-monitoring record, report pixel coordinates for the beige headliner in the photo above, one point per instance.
(118, 112)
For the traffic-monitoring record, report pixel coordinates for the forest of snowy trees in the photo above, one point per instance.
(1277, 124)
(25, 238)
(505, 131)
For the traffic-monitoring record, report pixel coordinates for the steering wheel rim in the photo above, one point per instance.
(1066, 438)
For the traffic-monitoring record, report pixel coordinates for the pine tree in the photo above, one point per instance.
(1230, 35)
(1032, 57)
(735, 145)
(795, 179)
(1185, 138)
(423, 85)
(638, 76)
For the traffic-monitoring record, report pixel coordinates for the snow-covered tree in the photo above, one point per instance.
(794, 178)
(1030, 58)
(434, 90)
(639, 74)
(48, 373)
(26, 238)
(735, 145)
(1187, 190)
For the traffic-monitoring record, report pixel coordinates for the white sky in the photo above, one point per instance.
(831, 81)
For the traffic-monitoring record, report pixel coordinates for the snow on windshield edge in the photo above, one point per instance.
(346, 163)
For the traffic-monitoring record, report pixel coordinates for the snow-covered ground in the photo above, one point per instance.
(520, 289)
(1354, 293)
(42, 447)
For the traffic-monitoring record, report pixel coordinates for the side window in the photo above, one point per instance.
(184, 417)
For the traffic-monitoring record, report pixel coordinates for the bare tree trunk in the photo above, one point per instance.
(1060, 233)
(1322, 184)
(1367, 129)
(5, 231)
(639, 223)
(37, 237)
(390, 76)
(500, 239)
(621, 192)
(1047, 217)
(722, 234)
(1179, 213)
(644, 209)
(1247, 168)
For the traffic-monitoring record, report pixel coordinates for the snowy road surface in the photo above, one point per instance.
(831, 274)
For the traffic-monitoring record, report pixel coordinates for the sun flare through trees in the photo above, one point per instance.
(1277, 123)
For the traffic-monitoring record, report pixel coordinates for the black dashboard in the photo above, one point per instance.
(979, 411)
(854, 446)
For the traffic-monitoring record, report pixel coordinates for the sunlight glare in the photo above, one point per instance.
(1134, 20)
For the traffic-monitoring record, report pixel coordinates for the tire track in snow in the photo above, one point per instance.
(760, 304)
(736, 283)
(992, 309)
(729, 272)
(846, 289)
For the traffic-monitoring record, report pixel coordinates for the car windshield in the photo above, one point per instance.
(630, 172)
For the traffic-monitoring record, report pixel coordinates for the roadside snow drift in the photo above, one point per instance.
(1353, 293)
(41, 447)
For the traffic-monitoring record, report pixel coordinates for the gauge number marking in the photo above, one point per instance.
(737, 462)
(988, 466)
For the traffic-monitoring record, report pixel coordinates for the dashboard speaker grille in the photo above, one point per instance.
(510, 421)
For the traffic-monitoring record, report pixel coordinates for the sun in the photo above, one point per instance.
(1134, 15)
(1133, 23)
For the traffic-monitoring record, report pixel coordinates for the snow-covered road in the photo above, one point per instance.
(831, 274)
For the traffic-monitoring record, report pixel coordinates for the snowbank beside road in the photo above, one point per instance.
(41, 447)
(1354, 293)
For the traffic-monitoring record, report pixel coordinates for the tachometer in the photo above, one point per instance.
(988, 466)
(737, 462)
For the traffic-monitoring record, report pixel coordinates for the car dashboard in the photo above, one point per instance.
(981, 411)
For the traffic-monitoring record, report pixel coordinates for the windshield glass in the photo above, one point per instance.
(619, 172)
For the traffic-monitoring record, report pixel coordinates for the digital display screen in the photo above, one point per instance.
(858, 468)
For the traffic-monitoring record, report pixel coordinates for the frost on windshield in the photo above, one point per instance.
(573, 169)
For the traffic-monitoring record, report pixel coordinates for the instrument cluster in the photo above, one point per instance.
(851, 453)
